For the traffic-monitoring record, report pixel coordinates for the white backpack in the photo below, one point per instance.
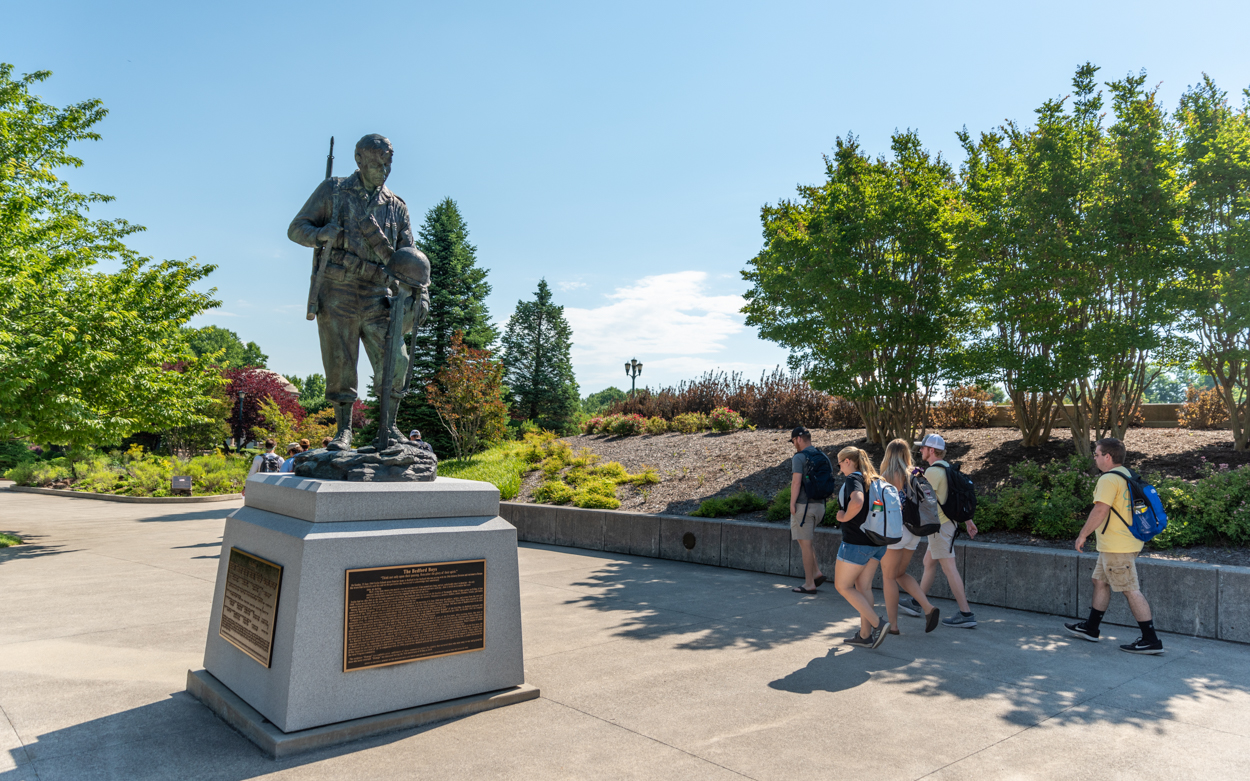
(884, 525)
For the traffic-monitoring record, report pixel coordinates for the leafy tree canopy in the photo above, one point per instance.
(224, 347)
(596, 403)
(85, 357)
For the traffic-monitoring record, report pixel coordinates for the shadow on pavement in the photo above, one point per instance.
(177, 737)
(199, 515)
(31, 548)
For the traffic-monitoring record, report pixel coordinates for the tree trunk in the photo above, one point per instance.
(1034, 413)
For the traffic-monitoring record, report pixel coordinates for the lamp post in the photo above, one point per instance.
(632, 370)
(238, 445)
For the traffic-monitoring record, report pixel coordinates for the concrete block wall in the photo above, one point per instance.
(1204, 600)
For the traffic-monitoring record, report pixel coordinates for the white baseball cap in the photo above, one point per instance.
(934, 441)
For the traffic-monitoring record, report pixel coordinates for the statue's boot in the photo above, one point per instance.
(395, 435)
(343, 418)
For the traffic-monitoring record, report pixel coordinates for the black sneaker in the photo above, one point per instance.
(911, 607)
(878, 635)
(860, 640)
(1078, 629)
(1140, 646)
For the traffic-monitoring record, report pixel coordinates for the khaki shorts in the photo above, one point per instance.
(803, 527)
(940, 544)
(1119, 570)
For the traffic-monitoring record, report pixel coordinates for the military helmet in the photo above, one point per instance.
(410, 266)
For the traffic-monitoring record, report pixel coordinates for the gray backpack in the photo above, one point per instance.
(920, 508)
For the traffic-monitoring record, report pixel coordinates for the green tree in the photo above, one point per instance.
(224, 347)
(1025, 231)
(858, 279)
(1216, 161)
(458, 291)
(536, 344)
(596, 403)
(467, 396)
(85, 357)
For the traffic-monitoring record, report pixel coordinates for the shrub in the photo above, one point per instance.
(553, 492)
(595, 501)
(13, 452)
(725, 419)
(657, 425)
(1050, 500)
(691, 422)
(1217, 508)
(963, 406)
(779, 508)
(648, 476)
(842, 413)
(593, 425)
(1203, 409)
(611, 471)
(736, 504)
(585, 459)
(39, 473)
(628, 425)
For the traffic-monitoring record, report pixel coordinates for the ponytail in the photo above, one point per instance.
(863, 463)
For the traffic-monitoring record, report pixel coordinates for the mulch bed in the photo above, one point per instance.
(695, 467)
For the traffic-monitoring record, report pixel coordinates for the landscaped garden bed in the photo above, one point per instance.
(693, 468)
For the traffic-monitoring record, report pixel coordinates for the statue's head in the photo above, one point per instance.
(373, 159)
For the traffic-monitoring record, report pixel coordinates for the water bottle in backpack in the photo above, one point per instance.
(884, 525)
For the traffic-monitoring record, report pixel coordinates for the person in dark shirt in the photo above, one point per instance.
(857, 556)
(805, 514)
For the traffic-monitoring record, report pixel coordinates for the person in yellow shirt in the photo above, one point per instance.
(1116, 568)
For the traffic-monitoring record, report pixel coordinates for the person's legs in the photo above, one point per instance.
(1139, 606)
(908, 583)
(956, 583)
(845, 575)
(811, 569)
(863, 584)
(889, 584)
(930, 568)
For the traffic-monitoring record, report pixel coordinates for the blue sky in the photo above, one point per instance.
(622, 151)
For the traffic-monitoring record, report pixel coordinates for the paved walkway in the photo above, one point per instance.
(649, 669)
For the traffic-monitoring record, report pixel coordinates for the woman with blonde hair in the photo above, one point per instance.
(896, 469)
(857, 556)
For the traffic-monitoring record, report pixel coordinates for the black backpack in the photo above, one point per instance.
(818, 483)
(961, 496)
(270, 462)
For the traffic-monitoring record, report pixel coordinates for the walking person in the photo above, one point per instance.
(293, 449)
(805, 513)
(268, 461)
(857, 556)
(896, 470)
(941, 547)
(1116, 568)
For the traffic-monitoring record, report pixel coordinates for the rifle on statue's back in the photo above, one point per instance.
(321, 255)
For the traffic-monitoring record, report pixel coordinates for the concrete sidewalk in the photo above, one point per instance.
(648, 669)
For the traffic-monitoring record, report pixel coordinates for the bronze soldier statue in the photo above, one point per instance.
(359, 226)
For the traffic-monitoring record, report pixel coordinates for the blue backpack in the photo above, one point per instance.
(818, 482)
(1149, 517)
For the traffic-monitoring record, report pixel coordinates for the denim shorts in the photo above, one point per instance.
(860, 554)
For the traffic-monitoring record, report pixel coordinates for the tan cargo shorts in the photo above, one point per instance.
(1119, 570)
(941, 543)
(803, 525)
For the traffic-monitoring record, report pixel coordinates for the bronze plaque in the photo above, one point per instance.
(250, 605)
(417, 611)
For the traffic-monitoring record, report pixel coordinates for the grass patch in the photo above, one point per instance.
(738, 504)
(9, 539)
(502, 466)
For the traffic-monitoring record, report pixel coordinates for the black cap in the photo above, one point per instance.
(799, 431)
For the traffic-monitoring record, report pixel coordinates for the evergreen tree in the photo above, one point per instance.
(536, 344)
(458, 291)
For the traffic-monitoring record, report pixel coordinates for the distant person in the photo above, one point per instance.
(304, 444)
(1116, 568)
(941, 550)
(292, 450)
(805, 513)
(325, 443)
(414, 438)
(268, 461)
(896, 470)
(857, 556)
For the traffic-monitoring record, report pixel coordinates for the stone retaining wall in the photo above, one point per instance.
(1203, 600)
(127, 499)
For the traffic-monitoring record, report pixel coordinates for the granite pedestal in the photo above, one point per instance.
(317, 530)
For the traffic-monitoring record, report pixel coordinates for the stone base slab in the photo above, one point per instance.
(277, 744)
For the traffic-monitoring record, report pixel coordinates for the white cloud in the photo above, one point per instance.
(567, 286)
(668, 321)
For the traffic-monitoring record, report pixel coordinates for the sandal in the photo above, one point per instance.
(820, 580)
(803, 590)
(893, 631)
